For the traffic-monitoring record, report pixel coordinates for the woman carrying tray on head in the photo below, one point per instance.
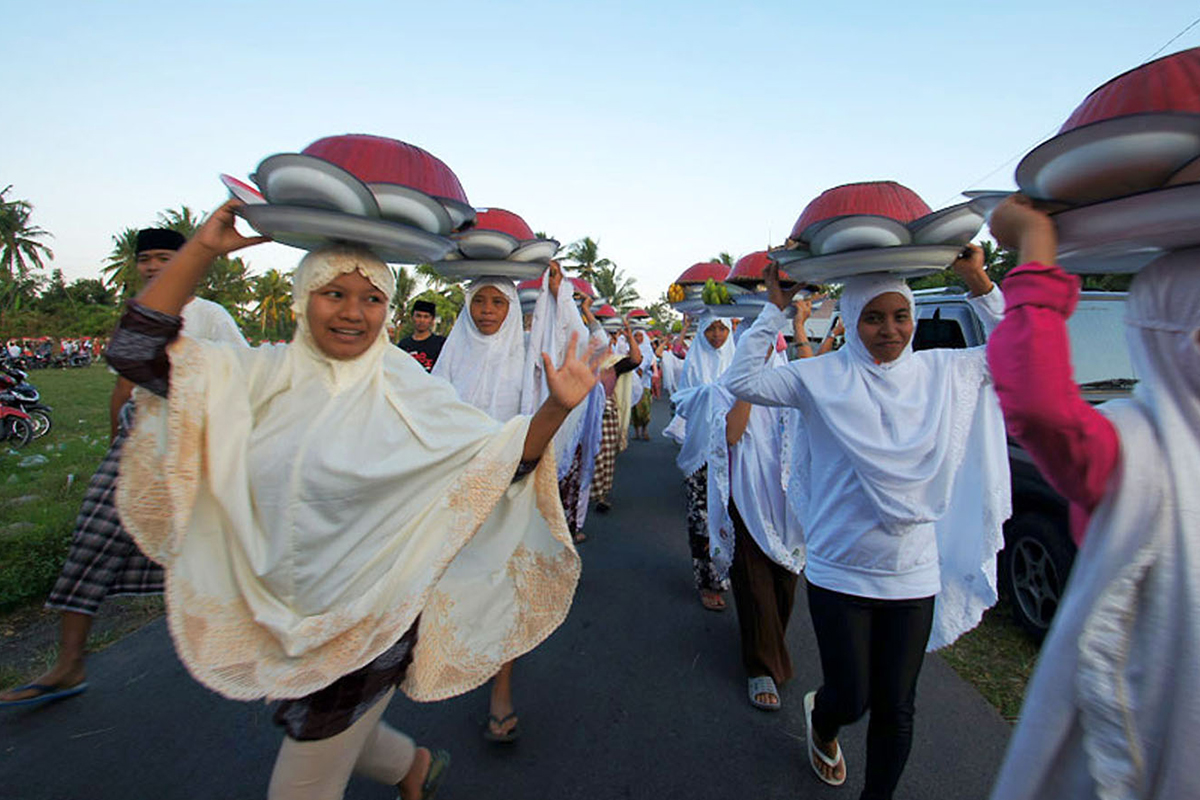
(555, 320)
(1113, 708)
(899, 476)
(708, 358)
(754, 535)
(334, 522)
(484, 359)
(617, 374)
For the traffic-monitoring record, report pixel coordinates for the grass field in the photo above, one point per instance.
(38, 504)
(42, 484)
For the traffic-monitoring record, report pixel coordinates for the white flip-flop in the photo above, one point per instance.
(838, 758)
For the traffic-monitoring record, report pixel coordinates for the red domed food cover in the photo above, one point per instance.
(498, 219)
(605, 311)
(639, 313)
(584, 288)
(1171, 83)
(699, 273)
(532, 283)
(878, 198)
(749, 268)
(378, 159)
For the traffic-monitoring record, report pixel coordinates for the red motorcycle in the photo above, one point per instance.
(16, 427)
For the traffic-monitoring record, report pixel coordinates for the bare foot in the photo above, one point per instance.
(713, 601)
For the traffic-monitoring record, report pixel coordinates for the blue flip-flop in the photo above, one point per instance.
(47, 693)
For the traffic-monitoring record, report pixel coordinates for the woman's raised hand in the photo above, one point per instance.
(570, 383)
(775, 293)
(220, 236)
(1018, 225)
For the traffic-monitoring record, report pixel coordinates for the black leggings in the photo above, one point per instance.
(871, 654)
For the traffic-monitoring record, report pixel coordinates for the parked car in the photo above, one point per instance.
(1038, 552)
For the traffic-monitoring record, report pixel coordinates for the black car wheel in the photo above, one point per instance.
(1037, 562)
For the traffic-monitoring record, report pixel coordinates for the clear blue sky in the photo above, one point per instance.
(669, 131)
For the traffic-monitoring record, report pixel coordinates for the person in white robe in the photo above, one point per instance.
(899, 477)
(328, 513)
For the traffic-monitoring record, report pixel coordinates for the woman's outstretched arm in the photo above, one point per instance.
(1075, 446)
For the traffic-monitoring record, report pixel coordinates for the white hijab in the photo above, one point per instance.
(487, 371)
(906, 427)
(646, 347)
(555, 319)
(701, 369)
(1113, 710)
(904, 424)
(752, 473)
(307, 509)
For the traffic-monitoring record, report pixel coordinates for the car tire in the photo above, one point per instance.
(1037, 562)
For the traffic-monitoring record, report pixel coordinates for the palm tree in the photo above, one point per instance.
(612, 283)
(273, 294)
(120, 269)
(181, 219)
(585, 257)
(724, 258)
(406, 284)
(20, 250)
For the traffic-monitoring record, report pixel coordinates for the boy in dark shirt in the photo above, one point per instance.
(424, 345)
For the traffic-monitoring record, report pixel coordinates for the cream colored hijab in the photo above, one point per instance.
(307, 510)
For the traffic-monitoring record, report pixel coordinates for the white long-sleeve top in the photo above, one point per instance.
(849, 549)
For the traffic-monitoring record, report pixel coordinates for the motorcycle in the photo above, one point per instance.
(15, 426)
(16, 392)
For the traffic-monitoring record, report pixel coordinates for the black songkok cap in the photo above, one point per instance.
(426, 306)
(159, 239)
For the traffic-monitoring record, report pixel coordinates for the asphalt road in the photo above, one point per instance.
(640, 694)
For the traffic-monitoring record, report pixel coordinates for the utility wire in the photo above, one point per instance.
(1022, 151)
(1170, 41)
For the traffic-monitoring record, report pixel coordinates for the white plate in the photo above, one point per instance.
(410, 206)
(485, 244)
(1110, 158)
(954, 225)
(907, 262)
(691, 305)
(466, 268)
(856, 232)
(1116, 231)
(293, 179)
(460, 213)
(745, 308)
(540, 250)
(314, 228)
(242, 190)
(1107, 260)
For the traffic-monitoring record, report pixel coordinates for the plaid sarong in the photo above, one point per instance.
(606, 458)
(103, 561)
(329, 711)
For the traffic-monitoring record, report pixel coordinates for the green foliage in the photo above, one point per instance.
(583, 256)
(20, 250)
(38, 504)
(272, 318)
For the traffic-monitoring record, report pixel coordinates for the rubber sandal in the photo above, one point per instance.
(438, 764)
(47, 693)
(712, 601)
(838, 758)
(764, 684)
(502, 738)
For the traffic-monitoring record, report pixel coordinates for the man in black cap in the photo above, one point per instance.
(424, 345)
(103, 560)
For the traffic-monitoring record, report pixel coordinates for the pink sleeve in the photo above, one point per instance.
(1073, 444)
